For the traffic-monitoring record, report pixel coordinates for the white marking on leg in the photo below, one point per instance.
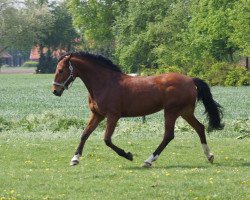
(75, 160)
(207, 152)
(150, 160)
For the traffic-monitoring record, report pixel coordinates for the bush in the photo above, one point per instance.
(148, 71)
(46, 121)
(30, 64)
(221, 73)
(239, 76)
(161, 70)
(47, 63)
(169, 69)
(4, 124)
(245, 80)
(218, 73)
(199, 71)
(201, 67)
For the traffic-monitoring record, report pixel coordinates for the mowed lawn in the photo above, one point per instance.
(39, 134)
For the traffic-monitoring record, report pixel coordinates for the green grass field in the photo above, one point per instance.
(39, 133)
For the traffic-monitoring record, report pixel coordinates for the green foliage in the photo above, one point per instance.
(29, 64)
(23, 24)
(62, 34)
(210, 29)
(47, 121)
(237, 77)
(94, 20)
(42, 23)
(217, 73)
(221, 73)
(12, 26)
(147, 38)
(240, 20)
(47, 63)
(164, 33)
(160, 70)
(135, 34)
(198, 71)
(5, 125)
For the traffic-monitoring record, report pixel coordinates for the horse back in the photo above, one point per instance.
(146, 95)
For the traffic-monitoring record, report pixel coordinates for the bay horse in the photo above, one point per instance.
(113, 94)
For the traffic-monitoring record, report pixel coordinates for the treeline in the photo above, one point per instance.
(204, 38)
(41, 23)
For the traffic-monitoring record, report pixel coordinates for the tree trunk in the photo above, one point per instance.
(247, 63)
(231, 52)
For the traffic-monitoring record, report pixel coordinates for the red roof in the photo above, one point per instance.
(34, 53)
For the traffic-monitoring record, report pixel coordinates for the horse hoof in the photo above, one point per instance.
(211, 159)
(129, 156)
(74, 162)
(147, 165)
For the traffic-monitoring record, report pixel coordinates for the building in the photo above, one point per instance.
(35, 55)
(6, 59)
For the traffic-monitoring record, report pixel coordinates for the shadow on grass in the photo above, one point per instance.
(164, 167)
(243, 164)
(184, 166)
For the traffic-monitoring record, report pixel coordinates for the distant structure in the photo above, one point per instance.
(13, 58)
(6, 58)
(35, 54)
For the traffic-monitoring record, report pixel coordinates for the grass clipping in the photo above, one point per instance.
(47, 121)
(55, 122)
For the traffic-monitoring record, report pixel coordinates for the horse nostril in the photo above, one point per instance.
(54, 92)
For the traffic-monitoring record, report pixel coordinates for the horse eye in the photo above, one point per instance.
(60, 71)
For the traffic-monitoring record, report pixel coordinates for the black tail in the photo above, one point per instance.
(213, 109)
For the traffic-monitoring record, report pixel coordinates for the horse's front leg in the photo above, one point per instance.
(95, 119)
(111, 124)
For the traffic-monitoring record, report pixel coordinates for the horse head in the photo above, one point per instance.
(64, 76)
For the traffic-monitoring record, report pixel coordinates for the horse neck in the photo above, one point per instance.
(96, 77)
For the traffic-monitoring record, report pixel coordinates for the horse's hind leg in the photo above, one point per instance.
(170, 119)
(95, 119)
(111, 124)
(199, 128)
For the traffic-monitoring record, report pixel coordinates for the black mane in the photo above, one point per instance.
(105, 62)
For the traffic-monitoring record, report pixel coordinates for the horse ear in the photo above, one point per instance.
(70, 55)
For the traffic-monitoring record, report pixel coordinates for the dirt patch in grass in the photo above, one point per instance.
(17, 70)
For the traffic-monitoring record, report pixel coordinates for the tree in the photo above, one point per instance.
(135, 33)
(28, 23)
(150, 33)
(40, 21)
(22, 24)
(240, 21)
(94, 20)
(14, 34)
(210, 30)
(10, 23)
(169, 35)
(60, 35)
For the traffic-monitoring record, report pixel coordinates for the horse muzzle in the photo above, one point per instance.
(58, 93)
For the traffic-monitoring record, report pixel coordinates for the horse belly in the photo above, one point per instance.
(139, 113)
(141, 108)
